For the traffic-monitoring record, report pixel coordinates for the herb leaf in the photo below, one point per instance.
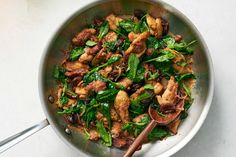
(153, 42)
(103, 30)
(75, 53)
(132, 66)
(148, 86)
(105, 135)
(166, 56)
(59, 73)
(157, 133)
(107, 95)
(105, 109)
(91, 43)
(127, 25)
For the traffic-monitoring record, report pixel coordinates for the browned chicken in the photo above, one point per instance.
(110, 37)
(114, 115)
(96, 86)
(126, 82)
(155, 26)
(116, 129)
(158, 88)
(113, 21)
(73, 66)
(89, 53)
(83, 36)
(138, 46)
(168, 98)
(105, 71)
(94, 135)
(121, 105)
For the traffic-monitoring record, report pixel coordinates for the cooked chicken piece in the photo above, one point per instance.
(83, 36)
(182, 69)
(164, 82)
(113, 21)
(126, 82)
(105, 71)
(155, 26)
(85, 58)
(121, 105)
(132, 36)
(82, 93)
(94, 135)
(110, 37)
(116, 129)
(137, 93)
(70, 103)
(173, 126)
(96, 86)
(139, 118)
(158, 88)
(59, 92)
(119, 142)
(73, 66)
(138, 46)
(89, 53)
(80, 72)
(114, 115)
(168, 98)
(100, 117)
(101, 56)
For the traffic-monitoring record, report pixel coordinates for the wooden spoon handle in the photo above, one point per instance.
(139, 140)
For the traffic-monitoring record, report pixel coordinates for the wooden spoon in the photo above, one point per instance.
(157, 119)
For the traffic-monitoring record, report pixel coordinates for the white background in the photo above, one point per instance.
(25, 28)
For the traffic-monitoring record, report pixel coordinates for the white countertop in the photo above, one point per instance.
(25, 28)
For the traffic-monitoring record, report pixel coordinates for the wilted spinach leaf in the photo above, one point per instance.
(105, 135)
(141, 26)
(107, 95)
(75, 53)
(127, 25)
(103, 30)
(165, 56)
(153, 42)
(91, 43)
(111, 46)
(157, 133)
(136, 128)
(132, 66)
(59, 73)
(105, 109)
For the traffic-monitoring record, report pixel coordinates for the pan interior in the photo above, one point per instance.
(178, 25)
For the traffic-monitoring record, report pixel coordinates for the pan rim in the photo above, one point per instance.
(206, 107)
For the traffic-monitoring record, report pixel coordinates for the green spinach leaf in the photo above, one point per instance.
(105, 135)
(157, 133)
(75, 53)
(127, 25)
(132, 66)
(107, 95)
(165, 56)
(153, 42)
(103, 30)
(91, 43)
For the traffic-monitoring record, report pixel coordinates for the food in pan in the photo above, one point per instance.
(115, 69)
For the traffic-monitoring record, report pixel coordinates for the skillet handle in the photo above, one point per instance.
(11, 141)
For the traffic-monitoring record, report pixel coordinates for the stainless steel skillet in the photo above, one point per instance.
(179, 24)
